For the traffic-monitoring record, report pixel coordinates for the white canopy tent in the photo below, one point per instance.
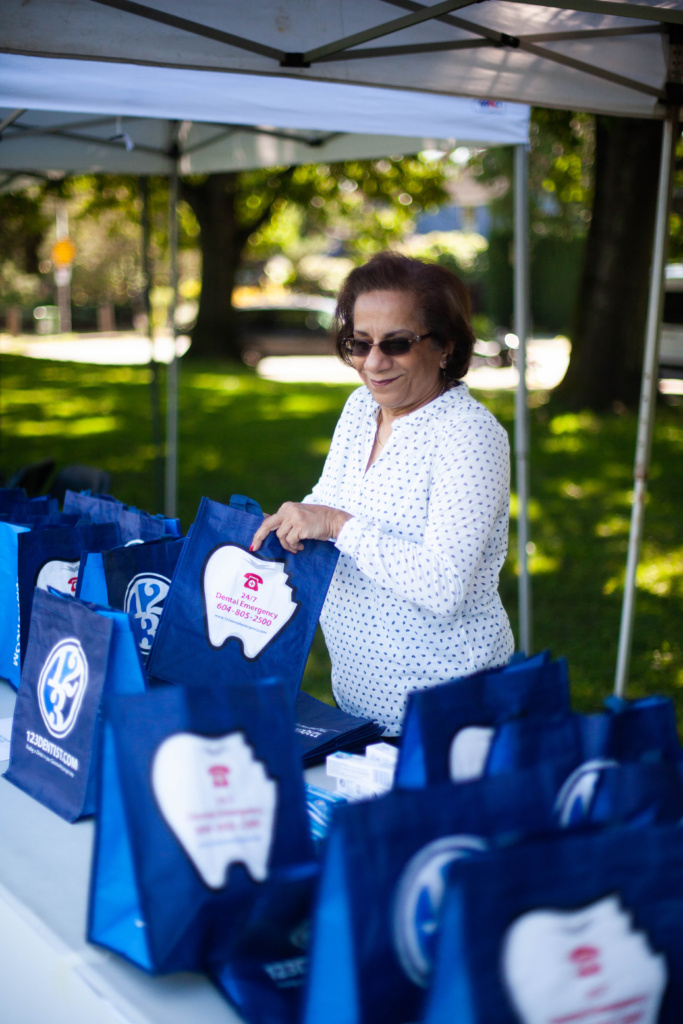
(600, 55)
(605, 56)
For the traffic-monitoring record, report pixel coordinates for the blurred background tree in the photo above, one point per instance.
(358, 207)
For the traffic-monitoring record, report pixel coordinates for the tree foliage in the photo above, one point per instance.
(23, 223)
(561, 156)
(355, 207)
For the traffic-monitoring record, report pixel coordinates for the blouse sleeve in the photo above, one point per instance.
(467, 518)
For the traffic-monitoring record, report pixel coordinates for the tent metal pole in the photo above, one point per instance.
(155, 404)
(648, 396)
(521, 320)
(172, 372)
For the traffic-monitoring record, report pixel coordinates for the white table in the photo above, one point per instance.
(49, 974)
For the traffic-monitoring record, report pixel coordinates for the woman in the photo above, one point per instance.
(414, 493)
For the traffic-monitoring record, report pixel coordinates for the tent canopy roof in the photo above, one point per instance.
(600, 55)
(71, 115)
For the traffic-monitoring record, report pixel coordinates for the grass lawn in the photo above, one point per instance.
(240, 434)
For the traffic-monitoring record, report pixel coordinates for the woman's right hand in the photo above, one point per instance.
(295, 522)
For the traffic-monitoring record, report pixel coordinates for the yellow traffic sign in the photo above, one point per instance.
(63, 252)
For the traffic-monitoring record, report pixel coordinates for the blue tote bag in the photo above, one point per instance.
(134, 524)
(51, 558)
(577, 929)
(135, 579)
(236, 616)
(201, 802)
(38, 557)
(76, 654)
(322, 729)
(448, 729)
(10, 622)
(626, 731)
(382, 880)
(265, 973)
(603, 792)
(13, 501)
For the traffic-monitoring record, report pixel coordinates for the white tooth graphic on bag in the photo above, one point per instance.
(586, 965)
(219, 802)
(61, 576)
(245, 597)
(469, 750)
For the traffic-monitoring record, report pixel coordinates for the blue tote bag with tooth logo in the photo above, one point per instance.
(201, 812)
(383, 876)
(573, 929)
(76, 653)
(50, 558)
(39, 556)
(135, 579)
(236, 616)
(448, 729)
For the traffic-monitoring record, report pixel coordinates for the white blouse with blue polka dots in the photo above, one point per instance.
(414, 598)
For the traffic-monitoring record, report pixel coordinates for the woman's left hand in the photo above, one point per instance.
(294, 522)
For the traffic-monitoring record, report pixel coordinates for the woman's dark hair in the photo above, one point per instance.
(442, 300)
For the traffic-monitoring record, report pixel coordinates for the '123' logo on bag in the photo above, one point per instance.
(145, 596)
(61, 686)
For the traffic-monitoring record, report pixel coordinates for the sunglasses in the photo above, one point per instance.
(397, 346)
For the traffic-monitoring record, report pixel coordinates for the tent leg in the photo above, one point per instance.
(155, 405)
(172, 373)
(521, 317)
(648, 396)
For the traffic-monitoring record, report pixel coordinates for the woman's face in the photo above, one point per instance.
(399, 384)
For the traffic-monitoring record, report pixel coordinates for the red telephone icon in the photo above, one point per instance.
(252, 581)
(219, 775)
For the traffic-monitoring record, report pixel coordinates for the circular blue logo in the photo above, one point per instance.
(61, 685)
(418, 898)
(574, 802)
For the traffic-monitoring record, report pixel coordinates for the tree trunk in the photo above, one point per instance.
(608, 339)
(213, 203)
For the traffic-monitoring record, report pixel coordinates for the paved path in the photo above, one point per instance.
(547, 359)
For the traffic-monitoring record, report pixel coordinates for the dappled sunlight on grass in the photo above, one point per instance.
(82, 427)
(662, 575)
(540, 563)
(319, 446)
(614, 526)
(533, 508)
(574, 423)
(305, 405)
(218, 382)
(563, 444)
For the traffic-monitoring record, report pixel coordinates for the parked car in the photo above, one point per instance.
(298, 326)
(671, 336)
